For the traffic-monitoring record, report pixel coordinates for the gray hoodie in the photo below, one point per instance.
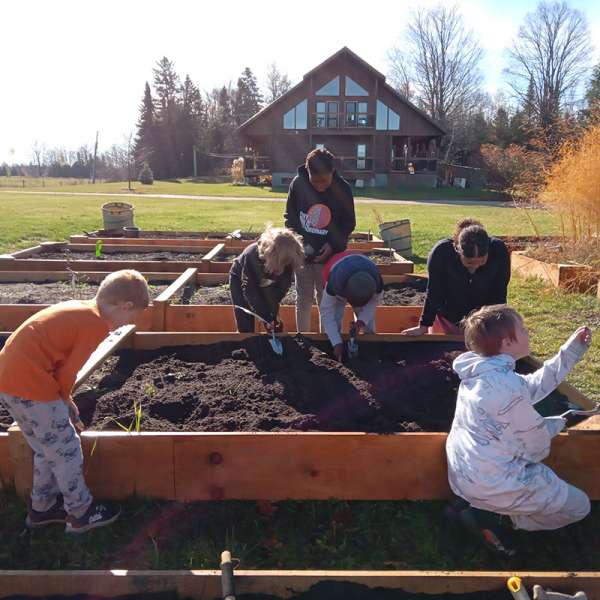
(498, 440)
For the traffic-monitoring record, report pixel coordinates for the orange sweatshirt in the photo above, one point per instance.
(41, 359)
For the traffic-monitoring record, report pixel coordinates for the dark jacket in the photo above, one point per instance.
(315, 226)
(453, 292)
(263, 292)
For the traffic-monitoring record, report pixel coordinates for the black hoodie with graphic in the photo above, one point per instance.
(320, 217)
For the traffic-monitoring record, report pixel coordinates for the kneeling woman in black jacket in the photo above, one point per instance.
(262, 275)
(466, 272)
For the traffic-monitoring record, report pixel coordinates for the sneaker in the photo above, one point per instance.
(97, 515)
(56, 514)
(486, 526)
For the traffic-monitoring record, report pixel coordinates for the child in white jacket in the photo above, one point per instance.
(498, 439)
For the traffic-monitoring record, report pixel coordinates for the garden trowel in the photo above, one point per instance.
(275, 343)
(582, 413)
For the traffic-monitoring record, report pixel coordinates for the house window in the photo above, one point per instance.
(386, 118)
(356, 114)
(361, 156)
(327, 115)
(332, 88)
(353, 89)
(297, 117)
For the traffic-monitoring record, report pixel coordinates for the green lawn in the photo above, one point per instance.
(27, 219)
(199, 188)
(338, 535)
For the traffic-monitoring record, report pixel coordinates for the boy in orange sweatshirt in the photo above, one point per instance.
(38, 367)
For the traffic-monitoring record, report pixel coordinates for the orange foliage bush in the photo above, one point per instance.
(572, 186)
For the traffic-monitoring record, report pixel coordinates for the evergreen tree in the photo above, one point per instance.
(501, 128)
(189, 126)
(592, 95)
(145, 140)
(166, 82)
(167, 87)
(248, 99)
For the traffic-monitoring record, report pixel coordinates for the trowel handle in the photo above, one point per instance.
(251, 313)
(227, 582)
(581, 413)
(517, 589)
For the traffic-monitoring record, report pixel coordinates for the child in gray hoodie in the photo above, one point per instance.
(498, 440)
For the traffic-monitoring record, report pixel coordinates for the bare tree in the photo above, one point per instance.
(400, 72)
(37, 154)
(277, 83)
(549, 60)
(442, 62)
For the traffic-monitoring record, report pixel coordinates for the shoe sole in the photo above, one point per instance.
(33, 525)
(70, 529)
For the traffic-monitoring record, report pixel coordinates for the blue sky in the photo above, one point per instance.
(70, 67)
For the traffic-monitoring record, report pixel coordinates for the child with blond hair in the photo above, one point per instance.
(38, 367)
(262, 274)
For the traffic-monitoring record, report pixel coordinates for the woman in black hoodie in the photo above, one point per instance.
(320, 208)
(466, 272)
(261, 276)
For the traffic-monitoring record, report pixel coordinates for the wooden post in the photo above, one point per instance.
(21, 457)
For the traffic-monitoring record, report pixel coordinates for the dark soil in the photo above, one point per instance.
(226, 257)
(138, 596)
(154, 255)
(245, 387)
(232, 386)
(380, 258)
(340, 590)
(394, 294)
(55, 291)
(324, 590)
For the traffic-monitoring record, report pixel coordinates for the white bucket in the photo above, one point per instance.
(397, 235)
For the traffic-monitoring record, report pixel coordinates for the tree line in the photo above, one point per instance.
(436, 65)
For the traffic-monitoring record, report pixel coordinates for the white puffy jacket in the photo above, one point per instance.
(498, 439)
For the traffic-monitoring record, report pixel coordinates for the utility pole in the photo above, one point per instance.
(94, 161)
(195, 167)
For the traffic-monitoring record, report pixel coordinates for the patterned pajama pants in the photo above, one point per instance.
(57, 454)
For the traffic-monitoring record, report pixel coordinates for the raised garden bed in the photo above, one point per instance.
(403, 293)
(570, 277)
(57, 291)
(358, 239)
(55, 256)
(249, 465)
(23, 293)
(189, 316)
(522, 242)
(299, 585)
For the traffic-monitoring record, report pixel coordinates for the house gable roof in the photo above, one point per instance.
(344, 51)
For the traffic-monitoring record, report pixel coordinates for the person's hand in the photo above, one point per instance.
(360, 327)
(338, 352)
(584, 336)
(419, 330)
(270, 327)
(324, 253)
(74, 414)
